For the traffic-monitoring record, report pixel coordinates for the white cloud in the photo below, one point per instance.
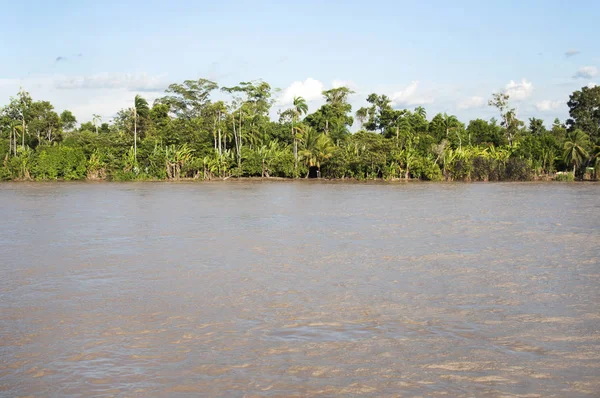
(587, 72)
(132, 82)
(547, 105)
(344, 83)
(571, 53)
(408, 96)
(518, 90)
(102, 94)
(310, 90)
(591, 85)
(471, 102)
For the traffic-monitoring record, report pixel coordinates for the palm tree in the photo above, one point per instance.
(419, 110)
(298, 109)
(596, 160)
(140, 108)
(96, 119)
(16, 126)
(451, 123)
(317, 149)
(575, 148)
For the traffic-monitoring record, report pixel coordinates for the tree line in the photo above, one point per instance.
(187, 134)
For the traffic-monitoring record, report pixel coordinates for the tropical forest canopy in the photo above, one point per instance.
(187, 134)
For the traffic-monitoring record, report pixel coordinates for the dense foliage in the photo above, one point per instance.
(185, 134)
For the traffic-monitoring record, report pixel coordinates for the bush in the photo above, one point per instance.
(5, 174)
(426, 169)
(60, 162)
(283, 165)
(517, 170)
(565, 177)
(251, 163)
(482, 168)
(460, 169)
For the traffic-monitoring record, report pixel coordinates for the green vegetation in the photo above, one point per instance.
(186, 134)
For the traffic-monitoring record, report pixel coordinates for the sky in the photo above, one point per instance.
(93, 57)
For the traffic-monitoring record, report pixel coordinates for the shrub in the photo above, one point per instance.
(517, 170)
(60, 162)
(5, 174)
(565, 177)
(426, 169)
(482, 169)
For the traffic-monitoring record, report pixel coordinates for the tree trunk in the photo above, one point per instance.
(237, 141)
(23, 135)
(134, 133)
(219, 134)
(295, 147)
(215, 133)
(240, 146)
(220, 148)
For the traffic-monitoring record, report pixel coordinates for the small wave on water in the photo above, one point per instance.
(202, 290)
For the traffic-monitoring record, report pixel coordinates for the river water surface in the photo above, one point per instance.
(286, 289)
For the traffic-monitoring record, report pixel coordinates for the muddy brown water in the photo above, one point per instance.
(299, 289)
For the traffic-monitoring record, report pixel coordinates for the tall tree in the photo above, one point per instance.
(140, 110)
(96, 119)
(509, 115)
(378, 115)
(333, 118)
(68, 120)
(298, 110)
(584, 109)
(536, 126)
(575, 149)
(316, 149)
(188, 100)
(253, 101)
(451, 124)
(19, 109)
(44, 121)
(361, 116)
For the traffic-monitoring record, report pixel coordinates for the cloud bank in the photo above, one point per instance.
(310, 89)
(519, 90)
(471, 103)
(548, 105)
(586, 72)
(410, 96)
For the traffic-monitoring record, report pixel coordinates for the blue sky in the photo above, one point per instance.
(447, 56)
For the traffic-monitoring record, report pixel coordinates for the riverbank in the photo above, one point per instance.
(282, 179)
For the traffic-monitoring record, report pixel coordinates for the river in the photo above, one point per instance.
(286, 289)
